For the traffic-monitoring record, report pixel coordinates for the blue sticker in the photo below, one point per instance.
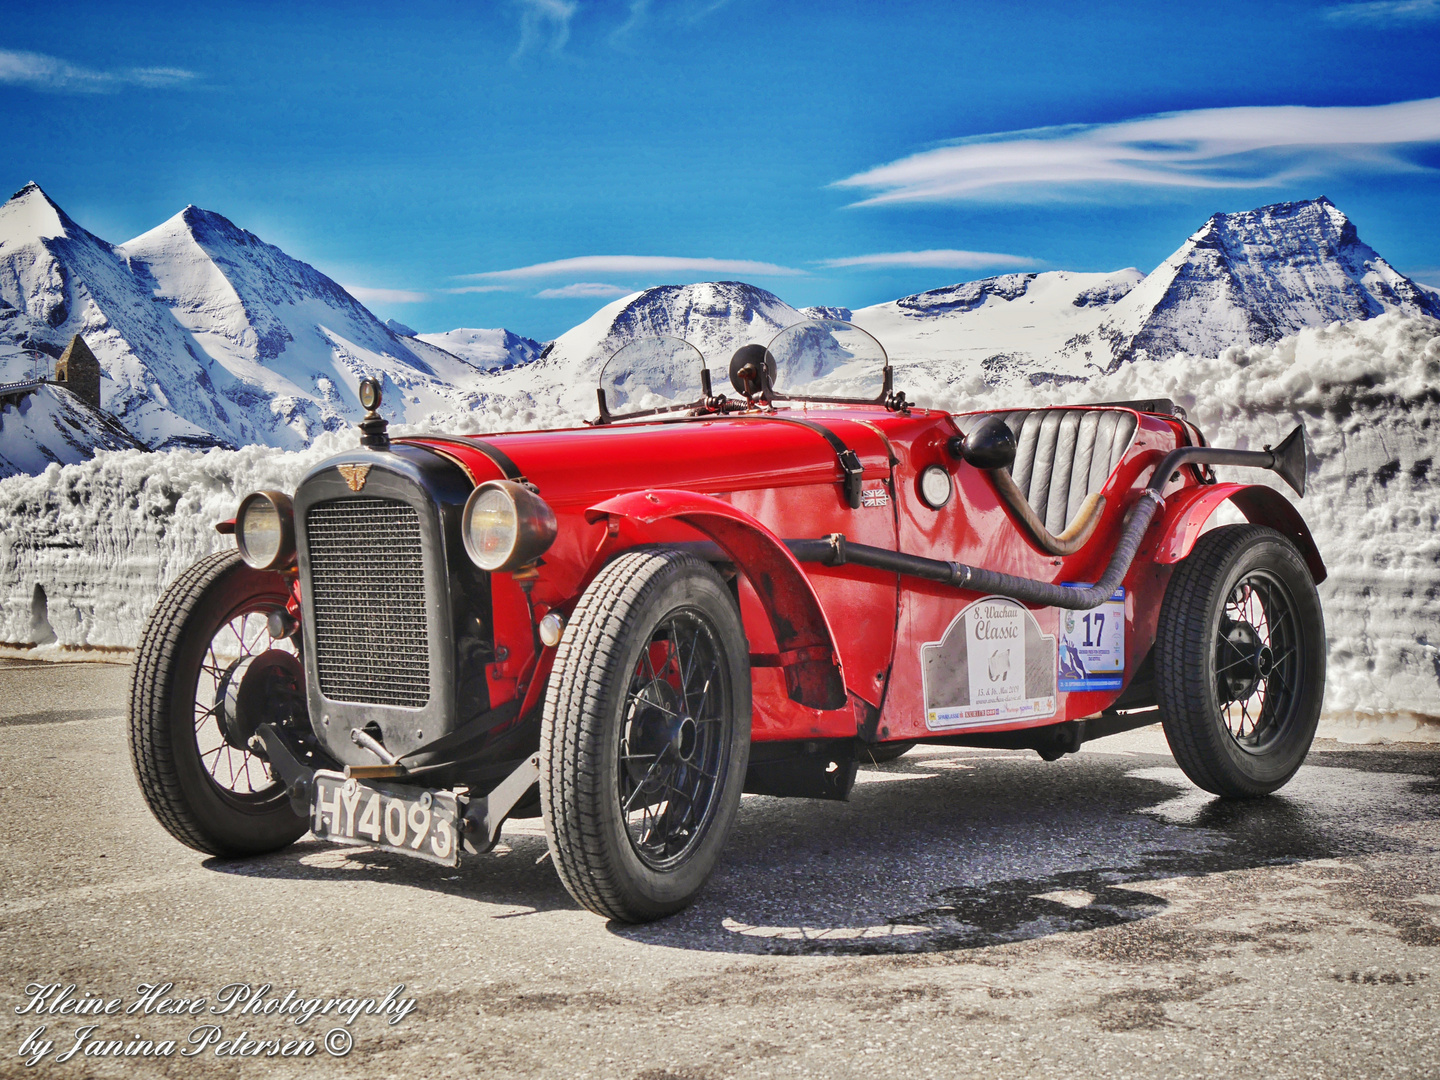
(1092, 645)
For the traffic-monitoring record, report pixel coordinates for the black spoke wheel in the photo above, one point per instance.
(646, 735)
(1240, 661)
(207, 674)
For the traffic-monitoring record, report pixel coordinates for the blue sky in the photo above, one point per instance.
(489, 163)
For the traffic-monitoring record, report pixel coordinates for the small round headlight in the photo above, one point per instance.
(265, 530)
(552, 628)
(505, 525)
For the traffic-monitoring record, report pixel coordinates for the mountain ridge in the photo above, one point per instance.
(209, 336)
(206, 334)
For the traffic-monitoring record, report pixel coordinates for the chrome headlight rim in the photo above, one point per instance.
(260, 557)
(532, 521)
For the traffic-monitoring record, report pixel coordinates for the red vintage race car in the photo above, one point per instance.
(624, 626)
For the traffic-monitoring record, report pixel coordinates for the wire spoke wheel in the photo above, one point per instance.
(1240, 661)
(1257, 660)
(646, 735)
(207, 674)
(671, 739)
(235, 769)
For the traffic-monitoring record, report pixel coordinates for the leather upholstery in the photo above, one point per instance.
(1064, 455)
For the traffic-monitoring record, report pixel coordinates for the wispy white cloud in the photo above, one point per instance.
(684, 12)
(936, 259)
(589, 289)
(544, 24)
(367, 295)
(1244, 147)
(41, 72)
(477, 289)
(1384, 11)
(633, 264)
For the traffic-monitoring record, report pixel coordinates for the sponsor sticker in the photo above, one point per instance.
(993, 665)
(1092, 645)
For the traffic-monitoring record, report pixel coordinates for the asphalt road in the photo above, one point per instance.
(966, 913)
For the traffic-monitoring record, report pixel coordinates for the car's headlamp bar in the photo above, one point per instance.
(505, 526)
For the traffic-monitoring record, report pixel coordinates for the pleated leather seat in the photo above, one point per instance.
(1064, 455)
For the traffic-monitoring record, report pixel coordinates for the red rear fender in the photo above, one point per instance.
(807, 651)
(1187, 511)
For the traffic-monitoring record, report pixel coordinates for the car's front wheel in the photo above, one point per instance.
(646, 735)
(1240, 661)
(207, 674)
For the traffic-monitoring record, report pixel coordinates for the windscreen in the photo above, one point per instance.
(652, 373)
(827, 358)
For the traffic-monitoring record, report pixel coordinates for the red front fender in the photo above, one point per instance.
(813, 675)
(1187, 511)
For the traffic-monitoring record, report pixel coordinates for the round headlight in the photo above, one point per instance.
(265, 530)
(935, 486)
(506, 525)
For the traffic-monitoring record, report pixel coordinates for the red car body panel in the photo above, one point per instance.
(747, 483)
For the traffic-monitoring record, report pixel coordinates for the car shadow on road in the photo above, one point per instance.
(516, 877)
(949, 849)
(962, 850)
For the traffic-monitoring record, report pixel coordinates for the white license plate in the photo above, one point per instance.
(405, 820)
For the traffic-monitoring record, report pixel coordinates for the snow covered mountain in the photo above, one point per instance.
(52, 425)
(1000, 328)
(1254, 277)
(717, 317)
(1242, 279)
(488, 350)
(209, 336)
(61, 280)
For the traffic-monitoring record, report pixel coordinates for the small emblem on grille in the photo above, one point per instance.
(354, 475)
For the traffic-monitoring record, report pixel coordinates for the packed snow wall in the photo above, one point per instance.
(102, 538)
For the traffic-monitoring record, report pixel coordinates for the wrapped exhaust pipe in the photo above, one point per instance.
(1288, 459)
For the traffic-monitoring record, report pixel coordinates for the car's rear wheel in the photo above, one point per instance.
(1240, 661)
(207, 674)
(646, 735)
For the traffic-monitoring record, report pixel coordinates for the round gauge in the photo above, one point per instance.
(935, 486)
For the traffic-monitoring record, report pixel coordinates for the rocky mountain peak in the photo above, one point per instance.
(717, 317)
(30, 215)
(1254, 276)
(967, 296)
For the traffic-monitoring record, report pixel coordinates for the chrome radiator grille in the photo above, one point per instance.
(367, 592)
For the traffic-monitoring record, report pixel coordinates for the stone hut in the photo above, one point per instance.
(79, 371)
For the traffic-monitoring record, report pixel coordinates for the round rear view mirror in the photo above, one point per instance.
(746, 368)
(990, 444)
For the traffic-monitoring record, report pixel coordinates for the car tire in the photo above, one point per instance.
(175, 688)
(1240, 661)
(628, 719)
(880, 753)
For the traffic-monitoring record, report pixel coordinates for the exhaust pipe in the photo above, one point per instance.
(1288, 459)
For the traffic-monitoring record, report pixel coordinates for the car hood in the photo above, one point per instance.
(582, 466)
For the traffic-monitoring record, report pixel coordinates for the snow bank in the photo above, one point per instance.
(101, 539)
